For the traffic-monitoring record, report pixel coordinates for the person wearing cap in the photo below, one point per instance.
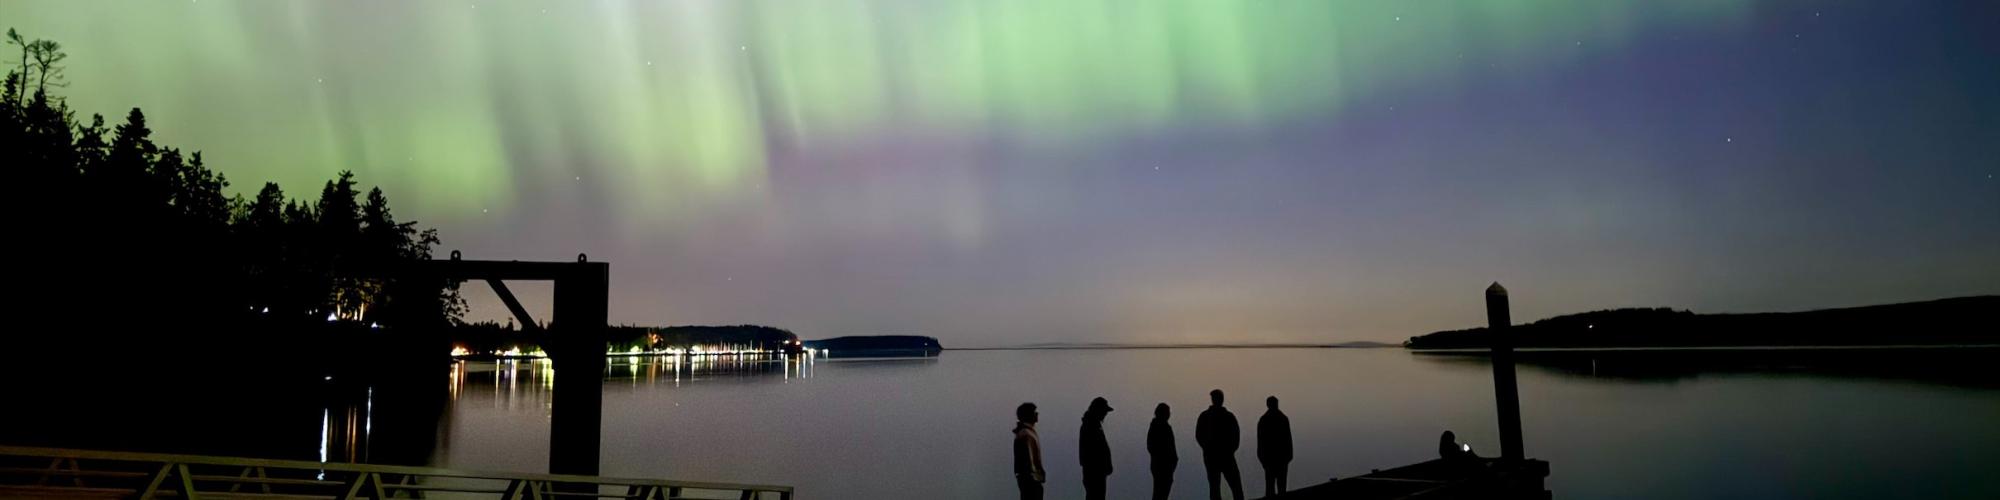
(1216, 431)
(1160, 444)
(1028, 472)
(1094, 450)
(1274, 446)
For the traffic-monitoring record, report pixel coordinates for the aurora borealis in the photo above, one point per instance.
(996, 172)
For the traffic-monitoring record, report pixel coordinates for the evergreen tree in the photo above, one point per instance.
(91, 151)
(126, 172)
(161, 225)
(17, 87)
(267, 212)
(47, 53)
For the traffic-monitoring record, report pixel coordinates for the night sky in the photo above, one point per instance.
(1001, 172)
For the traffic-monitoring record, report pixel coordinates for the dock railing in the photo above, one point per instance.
(27, 472)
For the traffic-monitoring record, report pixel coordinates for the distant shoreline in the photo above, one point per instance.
(1961, 321)
(1080, 347)
(1482, 350)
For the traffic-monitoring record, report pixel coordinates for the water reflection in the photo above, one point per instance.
(526, 383)
(1949, 366)
(383, 415)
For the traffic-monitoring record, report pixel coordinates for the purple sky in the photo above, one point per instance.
(1740, 169)
(1362, 175)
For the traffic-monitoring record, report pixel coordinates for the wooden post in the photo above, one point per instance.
(575, 345)
(1506, 394)
(576, 414)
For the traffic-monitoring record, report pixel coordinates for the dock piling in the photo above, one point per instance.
(1506, 393)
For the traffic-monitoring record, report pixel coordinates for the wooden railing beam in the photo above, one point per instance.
(124, 470)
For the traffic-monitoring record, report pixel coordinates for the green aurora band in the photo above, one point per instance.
(465, 103)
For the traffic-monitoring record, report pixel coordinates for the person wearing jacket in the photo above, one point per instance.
(1218, 435)
(1093, 450)
(1028, 472)
(1160, 444)
(1274, 446)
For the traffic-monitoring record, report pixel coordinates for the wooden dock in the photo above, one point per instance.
(1510, 476)
(1483, 478)
(62, 473)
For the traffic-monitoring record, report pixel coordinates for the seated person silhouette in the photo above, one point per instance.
(1452, 451)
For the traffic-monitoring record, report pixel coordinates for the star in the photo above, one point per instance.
(1728, 139)
(1399, 18)
(483, 210)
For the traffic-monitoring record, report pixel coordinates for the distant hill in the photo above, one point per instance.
(871, 346)
(1964, 320)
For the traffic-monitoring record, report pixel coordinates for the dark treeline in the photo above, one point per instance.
(158, 311)
(748, 336)
(149, 231)
(878, 346)
(1964, 320)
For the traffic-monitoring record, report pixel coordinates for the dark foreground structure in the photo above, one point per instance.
(1439, 479)
(1511, 476)
(59, 473)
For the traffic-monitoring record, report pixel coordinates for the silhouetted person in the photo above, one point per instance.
(1218, 435)
(1093, 450)
(1274, 446)
(1028, 472)
(1450, 449)
(1160, 444)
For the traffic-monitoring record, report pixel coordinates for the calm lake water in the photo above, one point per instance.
(939, 427)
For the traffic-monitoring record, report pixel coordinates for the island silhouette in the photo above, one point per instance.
(1955, 321)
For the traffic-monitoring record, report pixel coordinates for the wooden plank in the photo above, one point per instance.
(187, 482)
(367, 468)
(354, 488)
(373, 469)
(153, 487)
(267, 480)
(46, 491)
(270, 496)
(456, 489)
(505, 270)
(1485, 478)
(31, 471)
(528, 323)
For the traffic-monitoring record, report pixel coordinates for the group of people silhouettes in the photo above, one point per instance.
(1215, 431)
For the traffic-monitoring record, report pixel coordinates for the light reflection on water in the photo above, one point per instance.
(938, 427)
(505, 378)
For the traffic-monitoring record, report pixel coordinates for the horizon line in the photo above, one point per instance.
(1358, 344)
